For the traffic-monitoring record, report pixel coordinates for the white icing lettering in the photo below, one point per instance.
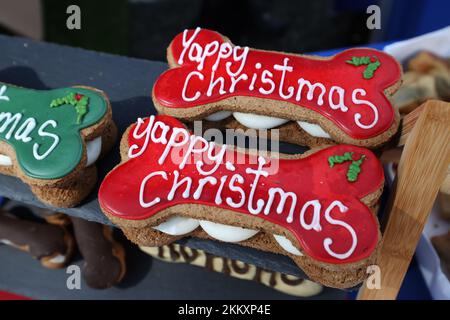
(201, 184)
(234, 81)
(258, 173)
(236, 58)
(327, 242)
(217, 159)
(43, 133)
(192, 149)
(156, 200)
(315, 221)
(8, 120)
(311, 89)
(283, 198)
(187, 43)
(136, 135)
(236, 178)
(176, 134)
(218, 199)
(341, 95)
(24, 131)
(284, 68)
(186, 83)
(176, 184)
(266, 78)
(358, 116)
(233, 60)
(2, 93)
(213, 83)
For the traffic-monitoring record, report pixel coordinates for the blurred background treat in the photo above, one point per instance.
(53, 238)
(426, 76)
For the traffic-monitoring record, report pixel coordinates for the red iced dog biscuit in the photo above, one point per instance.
(344, 94)
(319, 201)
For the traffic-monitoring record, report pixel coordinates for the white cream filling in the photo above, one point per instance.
(226, 233)
(287, 245)
(5, 161)
(256, 121)
(218, 116)
(59, 258)
(313, 129)
(177, 226)
(93, 150)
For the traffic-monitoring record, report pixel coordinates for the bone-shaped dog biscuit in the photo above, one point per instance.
(347, 94)
(319, 201)
(53, 137)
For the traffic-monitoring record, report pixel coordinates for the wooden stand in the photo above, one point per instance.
(422, 169)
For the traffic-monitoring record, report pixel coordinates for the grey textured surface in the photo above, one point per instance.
(128, 83)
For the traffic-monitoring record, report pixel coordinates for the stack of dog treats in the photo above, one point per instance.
(51, 140)
(318, 208)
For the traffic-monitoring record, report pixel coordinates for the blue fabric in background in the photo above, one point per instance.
(412, 18)
(402, 19)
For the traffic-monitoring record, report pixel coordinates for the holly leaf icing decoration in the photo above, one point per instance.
(359, 61)
(340, 159)
(47, 140)
(355, 167)
(369, 71)
(77, 100)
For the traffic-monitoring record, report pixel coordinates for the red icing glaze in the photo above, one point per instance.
(309, 178)
(335, 71)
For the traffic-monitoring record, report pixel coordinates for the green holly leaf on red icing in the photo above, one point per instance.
(359, 61)
(370, 69)
(354, 169)
(372, 66)
(44, 127)
(355, 165)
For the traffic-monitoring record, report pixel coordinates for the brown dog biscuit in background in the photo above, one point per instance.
(52, 245)
(425, 62)
(104, 258)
